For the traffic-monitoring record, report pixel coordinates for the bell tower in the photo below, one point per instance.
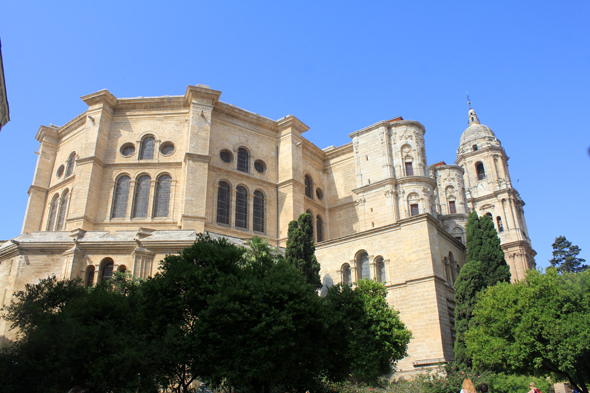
(489, 190)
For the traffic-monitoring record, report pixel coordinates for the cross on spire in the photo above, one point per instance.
(468, 102)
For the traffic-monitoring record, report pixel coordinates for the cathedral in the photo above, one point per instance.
(133, 179)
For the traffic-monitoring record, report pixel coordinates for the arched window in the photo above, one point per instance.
(90, 276)
(308, 187)
(258, 211)
(447, 268)
(63, 205)
(409, 169)
(243, 160)
(362, 263)
(141, 199)
(454, 267)
(346, 276)
(223, 202)
(241, 207)
(52, 212)
(70, 164)
(481, 173)
(148, 144)
(162, 198)
(120, 198)
(107, 270)
(499, 222)
(122, 269)
(380, 266)
(320, 228)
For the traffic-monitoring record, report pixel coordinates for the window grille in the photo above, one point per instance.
(90, 276)
(414, 211)
(363, 263)
(107, 271)
(63, 205)
(147, 148)
(142, 193)
(70, 164)
(308, 187)
(162, 202)
(121, 197)
(223, 203)
(241, 208)
(409, 169)
(243, 160)
(258, 211)
(52, 212)
(320, 229)
(452, 207)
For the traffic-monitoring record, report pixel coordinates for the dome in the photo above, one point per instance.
(475, 131)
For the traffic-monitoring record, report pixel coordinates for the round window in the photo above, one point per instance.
(128, 149)
(167, 148)
(226, 156)
(319, 193)
(260, 166)
(60, 171)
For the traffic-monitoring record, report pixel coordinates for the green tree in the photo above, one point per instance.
(539, 325)
(474, 235)
(300, 250)
(493, 264)
(565, 256)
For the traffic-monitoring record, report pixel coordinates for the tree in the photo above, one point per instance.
(300, 250)
(565, 256)
(539, 325)
(493, 263)
(474, 236)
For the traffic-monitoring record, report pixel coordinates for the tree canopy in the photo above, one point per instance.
(300, 250)
(565, 256)
(539, 325)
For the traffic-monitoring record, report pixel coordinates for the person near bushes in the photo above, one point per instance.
(533, 388)
(483, 388)
(468, 387)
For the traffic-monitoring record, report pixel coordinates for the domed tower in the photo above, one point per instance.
(488, 190)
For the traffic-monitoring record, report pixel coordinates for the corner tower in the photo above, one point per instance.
(488, 190)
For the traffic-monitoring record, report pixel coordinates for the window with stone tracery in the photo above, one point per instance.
(243, 160)
(241, 220)
(364, 269)
(63, 205)
(70, 164)
(162, 198)
(141, 199)
(120, 197)
(52, 212)
(258, 211)
(223, 203)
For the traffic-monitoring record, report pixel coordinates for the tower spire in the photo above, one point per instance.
(472, 117)
(468, 102)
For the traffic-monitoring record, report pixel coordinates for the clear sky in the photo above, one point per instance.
(337, 66)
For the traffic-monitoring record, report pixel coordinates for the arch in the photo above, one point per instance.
(481, 172)
(454, 267)
(70, 164)
(122, 269)
(89, 276)
(241, 218)
(141, 197)
(362, 265)
(346, 274)
(52, 212)
(63, 205)
(121, 197)
(258, 206)
(413, 204)
(308, 187)
(223, 203)
(148, 146)
(162, 195)
(457, 233)
(380, 269)
(448, 274)
(243, 160)
(319, 228)
(106, 269)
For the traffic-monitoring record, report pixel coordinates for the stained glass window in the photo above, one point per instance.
(107, 271)
(147, 148)
(363, 264)
(162, 201)
(142, 193)
(308, 187)
(121, 197)
(258, 211)
(52, 212)
(241, 208)
(223, 203)
(243, 160)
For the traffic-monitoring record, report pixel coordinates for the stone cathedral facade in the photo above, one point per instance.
(133, 179)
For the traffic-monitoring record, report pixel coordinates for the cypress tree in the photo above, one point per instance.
(493, 263)
(473, 237)
(300, 250)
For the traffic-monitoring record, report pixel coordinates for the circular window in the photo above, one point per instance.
(260, 166)
(128, 149)
(319, 193)
(167, 148)
(60, 171)
(226, 156)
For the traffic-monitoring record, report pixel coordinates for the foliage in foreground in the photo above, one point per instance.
(300, 251)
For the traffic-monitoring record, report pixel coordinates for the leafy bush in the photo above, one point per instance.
(502, 383)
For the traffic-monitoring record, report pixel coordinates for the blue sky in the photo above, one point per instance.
(337, 66)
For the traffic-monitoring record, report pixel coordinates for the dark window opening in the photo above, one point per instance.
(52, 212)
(363, 265)
(452, 207)
(308, 187)
(481, 173)
(225, 156)
(346, 274)
(243, 160)
(70, 164)
(63, 205)
(121, 197)
(320, 229)
(241, 208)
(409, 169)
(260, 166)
(223, 202)
(414, 210)
(142, 193)
(258, 211)
(474, 147)
(147, 148)
(107, 271)
(90, 276)
(499, 222)
(162, 202)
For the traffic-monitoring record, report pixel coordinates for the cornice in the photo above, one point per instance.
(197, 157)
(243, 175)
(313, 151)
(439, 167)
(291, 121)
(414, 123)
(151, 103)
(416, 179)
(10, 251)
(373, 186)
(289, 182)
(48, 134)
(340, 152)
(90, 159)
(388, 125)
(194, 93)
(36, 188)
(496, 193)
(464, 156)
(62, 183)
(223, 109)
(372, 127)
(100, 97)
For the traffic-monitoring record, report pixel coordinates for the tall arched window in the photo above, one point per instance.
(258, 211)
(52, 212)
(499, 222)
(241, 220)
(148, 145)
(141, 199)
(90, 276)
(308, 187)
(121, 197)
(320, 228)
(362, 263)
(346, 276)
(243, 160)
(223, 203)
(70, 164)
(481, 173)
(162, 197)
(380, 266)
(107, 270)
(454, 267)
(63, 205)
